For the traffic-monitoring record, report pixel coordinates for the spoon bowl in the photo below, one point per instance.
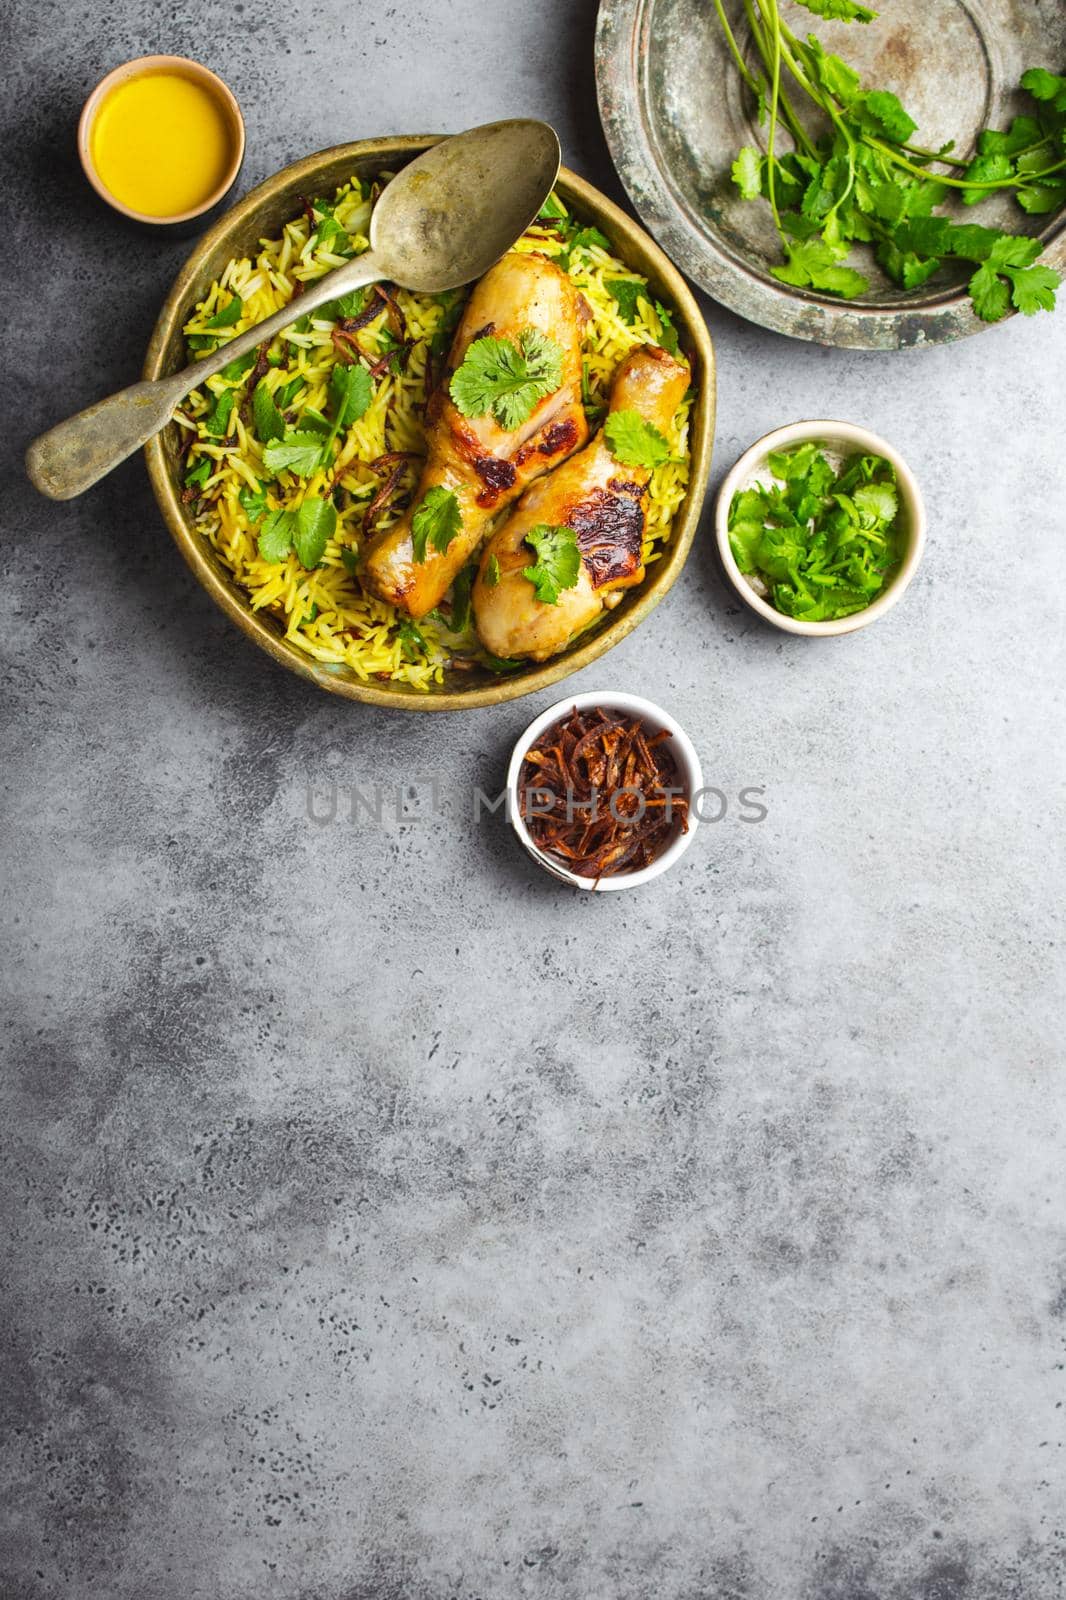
(446, 218)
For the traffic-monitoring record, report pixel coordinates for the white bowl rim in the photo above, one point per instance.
(690, 771)
(799, 433)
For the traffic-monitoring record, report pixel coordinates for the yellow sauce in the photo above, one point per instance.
(161, 143)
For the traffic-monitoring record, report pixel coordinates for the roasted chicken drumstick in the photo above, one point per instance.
(601, 501)
(475, 457)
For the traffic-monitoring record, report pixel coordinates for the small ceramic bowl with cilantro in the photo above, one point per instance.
(820, 527)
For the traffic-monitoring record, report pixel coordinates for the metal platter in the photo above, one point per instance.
(675, 113)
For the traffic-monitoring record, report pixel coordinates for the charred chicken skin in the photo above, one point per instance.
(484, 465)
(605, 505)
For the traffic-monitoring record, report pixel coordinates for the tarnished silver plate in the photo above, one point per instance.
(675, 114)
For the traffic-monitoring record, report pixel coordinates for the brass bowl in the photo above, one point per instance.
(261, 214)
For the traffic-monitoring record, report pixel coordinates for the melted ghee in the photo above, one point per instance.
(161, 143)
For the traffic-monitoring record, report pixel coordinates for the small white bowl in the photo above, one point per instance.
(843, 438)
(689, 771)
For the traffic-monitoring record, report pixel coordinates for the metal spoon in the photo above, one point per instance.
(441, 222)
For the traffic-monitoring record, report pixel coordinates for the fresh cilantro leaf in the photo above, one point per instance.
(351, 390)
(990, 294)
(1023, 132)
(667, 330)
(268, 420)
(625, 292)
(875, 502)
(812, 264)
(351, 562)
(217, 420)
(1045, 86)
(197, 476)
(275, 536)
(233, 370)
(634, 442)
(436, 522)
(230, 313)
(1033, 289)
(1014, 250)
(881, 111)
(832, 73)
(507, 379)
(200, 342)
(558, 563)
(461, 598)
(1040, 198)
(316, 521)
(839, 10)
(982, 170)
(299, 453)
(492, 573)
(792, 464)
(746, 172)
(253, 503)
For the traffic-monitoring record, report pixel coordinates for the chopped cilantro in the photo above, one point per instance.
(350, 392)
(492, 573)
(461, 598)
(411, 639)
(552, 210)
(275, 535)
(626, 292)
(316, 521)
(558, 563)
(634, 442)
(436, 522)
(234, 370)
(230, 314)
(824, 541)
(268, 420)
(253, 503)
(299, 453)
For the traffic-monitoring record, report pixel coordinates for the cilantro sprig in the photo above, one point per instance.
(505, 378)
(558, 563)
(822, 541)
(867, 182)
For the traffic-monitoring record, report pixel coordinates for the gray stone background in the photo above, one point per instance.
(385, 1221)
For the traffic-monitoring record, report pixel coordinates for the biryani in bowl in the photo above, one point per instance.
(437, 499)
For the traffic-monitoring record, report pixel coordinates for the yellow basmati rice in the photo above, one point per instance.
(324, 612)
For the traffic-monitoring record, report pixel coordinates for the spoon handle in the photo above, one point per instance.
(77, 453)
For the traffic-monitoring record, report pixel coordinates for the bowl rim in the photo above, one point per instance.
(136, 68)
(800, 433)
(661, 576)
(683, 749)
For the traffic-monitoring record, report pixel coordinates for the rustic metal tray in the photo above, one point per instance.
(675, 113)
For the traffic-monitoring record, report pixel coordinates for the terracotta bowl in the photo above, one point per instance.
(261, 214)
(198, 74)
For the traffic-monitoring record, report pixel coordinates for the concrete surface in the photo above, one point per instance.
(384, 1221)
